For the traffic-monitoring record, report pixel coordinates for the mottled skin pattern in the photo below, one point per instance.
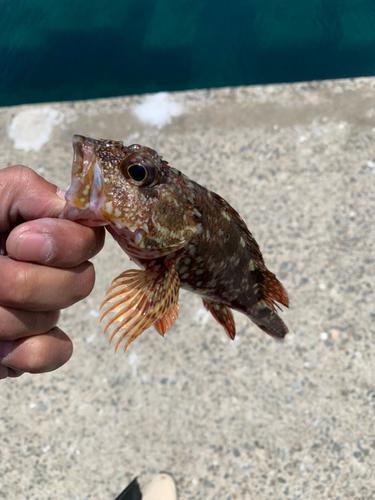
(180, 233)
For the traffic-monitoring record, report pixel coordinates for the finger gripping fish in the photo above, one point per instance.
(181, 235)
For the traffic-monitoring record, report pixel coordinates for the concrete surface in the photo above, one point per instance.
(249, 419)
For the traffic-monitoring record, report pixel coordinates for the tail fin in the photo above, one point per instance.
(269, 321)
(272, 292)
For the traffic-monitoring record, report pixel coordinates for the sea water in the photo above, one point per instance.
(53, 51)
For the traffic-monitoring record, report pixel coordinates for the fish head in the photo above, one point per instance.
(144, 203)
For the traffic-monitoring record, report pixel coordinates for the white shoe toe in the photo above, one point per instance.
(162, 487)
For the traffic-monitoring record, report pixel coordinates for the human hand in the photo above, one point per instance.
(43, 268)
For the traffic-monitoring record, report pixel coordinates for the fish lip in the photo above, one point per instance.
(83, 153)
(84, 156)
(77, 142)
(84, 195)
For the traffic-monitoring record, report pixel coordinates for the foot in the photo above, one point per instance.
(162, 487)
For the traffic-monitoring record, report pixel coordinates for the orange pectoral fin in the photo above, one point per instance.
(140, 299)
(223, 315)
(168, 320)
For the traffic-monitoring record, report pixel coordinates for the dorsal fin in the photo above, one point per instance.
(271, 288)
(236, 220)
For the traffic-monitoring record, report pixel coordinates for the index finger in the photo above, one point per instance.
(26, 196)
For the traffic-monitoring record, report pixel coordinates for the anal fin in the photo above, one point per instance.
(223, 315)
(140, 299)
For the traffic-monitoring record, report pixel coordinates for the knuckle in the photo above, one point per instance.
(16, 323)
(98, 240)
(42, 322)
(48, 352)
(24, 175)
(24, 285)
(86, 281)
(38, 357)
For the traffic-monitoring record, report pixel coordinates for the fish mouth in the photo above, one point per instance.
(85, 194)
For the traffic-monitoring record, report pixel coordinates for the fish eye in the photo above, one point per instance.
(137, 172)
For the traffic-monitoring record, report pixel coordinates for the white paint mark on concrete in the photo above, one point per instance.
(202, 316)
(158, 109)
(91, 338)
(94, 313)
(342, 125)
(32, 128)
(133, 362)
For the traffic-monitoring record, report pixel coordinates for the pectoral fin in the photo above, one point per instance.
(223, 315)
(141, 299)
(168, 320)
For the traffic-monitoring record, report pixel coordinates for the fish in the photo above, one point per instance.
(180, 234)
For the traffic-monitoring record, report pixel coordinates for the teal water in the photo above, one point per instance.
(53, 51)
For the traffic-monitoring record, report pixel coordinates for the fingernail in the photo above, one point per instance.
(33, 247)
(5, 348)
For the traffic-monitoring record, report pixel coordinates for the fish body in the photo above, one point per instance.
(182, 236)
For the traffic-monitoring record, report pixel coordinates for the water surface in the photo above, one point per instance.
(53, 51)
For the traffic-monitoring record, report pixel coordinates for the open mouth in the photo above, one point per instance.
(84, 196)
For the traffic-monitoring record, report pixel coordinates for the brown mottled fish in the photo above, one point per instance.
(181, 235)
